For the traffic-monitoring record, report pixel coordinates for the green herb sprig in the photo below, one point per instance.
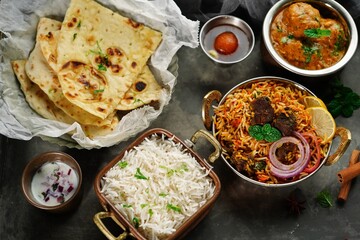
(122, 164)
(136, 222)
(309, 51)
(260, 165)
(344, 101)
(173, 207)
(317, 32)
(325, 199)
(265, 132)
(139, 175)
(97, 91)
(104, 58)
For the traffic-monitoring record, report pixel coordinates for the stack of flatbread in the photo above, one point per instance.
(89, 67)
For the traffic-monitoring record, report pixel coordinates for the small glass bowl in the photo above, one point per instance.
(35, 164)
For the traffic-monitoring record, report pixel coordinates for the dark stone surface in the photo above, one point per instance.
(243, 210)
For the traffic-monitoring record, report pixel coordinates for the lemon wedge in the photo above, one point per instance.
(311, 101)
(323, 122)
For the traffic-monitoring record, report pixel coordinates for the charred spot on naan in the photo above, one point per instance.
(136, 88)
(74, 22)
(134, 24)
(111, 59)
(140, 86)
(47, 40)
(85, 80)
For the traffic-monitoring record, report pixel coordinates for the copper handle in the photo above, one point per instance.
(202, 133)
(99, 223)
(345, 139)
(208, 99)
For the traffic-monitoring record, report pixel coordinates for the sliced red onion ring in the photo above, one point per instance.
(281, 170)
(274, 160)
(306, 145)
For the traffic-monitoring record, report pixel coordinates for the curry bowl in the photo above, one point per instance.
(226, 39)
(309, 38)
(264, 126)
(158, 180)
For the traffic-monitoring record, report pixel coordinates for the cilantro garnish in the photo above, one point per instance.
(183, 167)
(136, 100)
(104, 58)
(98, 91)
(317, 32)
(122, 164)
(139, 175)
(309, 51)
(260, 165)
(324, 198)
(265, 132)
(74, 36)
(173, 207)
(286, 39)
(344, 100)
(136, 222)
(101, 67)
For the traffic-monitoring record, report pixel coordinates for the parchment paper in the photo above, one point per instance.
(18, 22)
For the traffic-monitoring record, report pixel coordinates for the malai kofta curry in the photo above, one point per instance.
(306, 39)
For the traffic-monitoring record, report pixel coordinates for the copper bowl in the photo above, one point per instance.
(35, 164)
(127, 227)
(329, 7)
(216, 96)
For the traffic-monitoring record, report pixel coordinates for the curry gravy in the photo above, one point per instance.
(306, 39)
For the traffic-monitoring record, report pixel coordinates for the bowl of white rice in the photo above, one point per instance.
(156, 188)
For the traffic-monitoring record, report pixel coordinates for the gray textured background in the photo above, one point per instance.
(243, 211)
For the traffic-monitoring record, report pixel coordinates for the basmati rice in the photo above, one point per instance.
(158, 185)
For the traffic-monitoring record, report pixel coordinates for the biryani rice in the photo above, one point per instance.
(232, 120)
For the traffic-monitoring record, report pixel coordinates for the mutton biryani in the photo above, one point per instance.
(90, 66)
(268, 133)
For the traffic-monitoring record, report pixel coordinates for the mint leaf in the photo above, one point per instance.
(317, 32)
(265, 132)
(324, 198)
(256, 132)
(347, 110)
(344, 101)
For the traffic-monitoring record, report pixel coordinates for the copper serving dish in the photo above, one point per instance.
(216, 96)
(127, 228)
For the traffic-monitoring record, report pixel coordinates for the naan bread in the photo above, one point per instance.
(47, 35)
(100, 53)
(41, 104)
(39, 72)
(144, 90)
(36, 98)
